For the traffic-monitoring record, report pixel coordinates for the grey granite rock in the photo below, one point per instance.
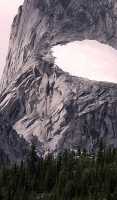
(40, 100)
(12, 146)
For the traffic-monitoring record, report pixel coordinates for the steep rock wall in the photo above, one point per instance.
(43, 102)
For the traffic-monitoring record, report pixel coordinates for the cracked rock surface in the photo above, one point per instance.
(45, 103)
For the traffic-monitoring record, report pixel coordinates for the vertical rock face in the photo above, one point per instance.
(40, 100)
(12, 146)
(40, 24)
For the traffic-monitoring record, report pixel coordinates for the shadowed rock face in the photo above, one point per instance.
(12, 146)
(40, 99)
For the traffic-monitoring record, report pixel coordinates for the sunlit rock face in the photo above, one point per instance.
(41, 24)
(43, 102)
(89, 59)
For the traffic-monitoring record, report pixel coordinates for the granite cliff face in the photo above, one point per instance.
(40, 100)
(12, 146)
(41, 24)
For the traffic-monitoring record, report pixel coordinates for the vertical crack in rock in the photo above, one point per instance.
(37, 97)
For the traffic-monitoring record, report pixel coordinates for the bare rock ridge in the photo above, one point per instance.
(42, 102)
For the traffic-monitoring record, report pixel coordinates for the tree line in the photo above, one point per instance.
(68, 176)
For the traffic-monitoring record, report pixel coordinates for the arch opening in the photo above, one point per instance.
(89, 59)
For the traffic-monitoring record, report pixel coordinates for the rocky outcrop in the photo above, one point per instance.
(43, 102)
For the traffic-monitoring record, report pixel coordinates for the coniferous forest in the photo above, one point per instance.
(68, 176)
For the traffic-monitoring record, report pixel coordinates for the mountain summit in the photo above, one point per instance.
(42, 102)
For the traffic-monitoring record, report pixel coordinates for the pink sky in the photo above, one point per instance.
(8, 9)
(89, 59)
